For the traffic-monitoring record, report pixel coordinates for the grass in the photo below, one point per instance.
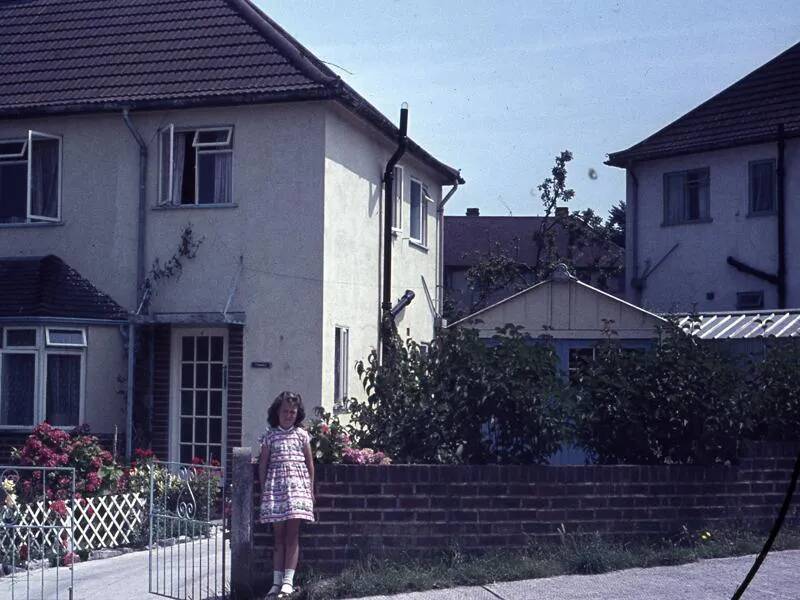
(573, 555)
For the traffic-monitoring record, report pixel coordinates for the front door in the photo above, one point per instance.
(199, 394)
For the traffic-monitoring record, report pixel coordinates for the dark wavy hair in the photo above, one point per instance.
(295, 400)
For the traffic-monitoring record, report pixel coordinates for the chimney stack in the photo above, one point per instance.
(473, 212)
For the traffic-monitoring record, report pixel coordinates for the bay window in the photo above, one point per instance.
(196, 166)
(41, 376)
(30, 179)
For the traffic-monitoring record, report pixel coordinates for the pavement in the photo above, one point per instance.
(715, 579)
(185, 570)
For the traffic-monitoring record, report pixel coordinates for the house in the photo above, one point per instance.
(710, 216)
(471, 238)
(573, 315)
(211, 193)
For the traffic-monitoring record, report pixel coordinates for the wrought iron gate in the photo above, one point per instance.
(37, 532)
(188, 555)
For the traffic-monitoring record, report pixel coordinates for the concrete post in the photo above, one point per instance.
(242, 524)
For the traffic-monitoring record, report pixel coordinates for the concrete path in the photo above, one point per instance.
(126, 577)
(717, 579)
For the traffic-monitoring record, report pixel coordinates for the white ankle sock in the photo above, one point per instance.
(277, 580)
(288, 577)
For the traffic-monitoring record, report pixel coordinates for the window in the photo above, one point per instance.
(41, 376)
(30, 179)
(578, 357)
(686, 197)
(340, 360)
(419, 212)
(762, 174)
(749, 300)
(196, 166)
(397, 207)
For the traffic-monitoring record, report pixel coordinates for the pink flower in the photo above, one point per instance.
(70, 559)
(59, 507)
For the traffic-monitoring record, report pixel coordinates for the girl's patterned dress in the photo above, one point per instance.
(287, 487)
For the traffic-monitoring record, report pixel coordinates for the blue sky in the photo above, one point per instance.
(497, 89)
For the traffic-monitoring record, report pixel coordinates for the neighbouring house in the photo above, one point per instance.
(574, 315)
(710, 219)
(471, 238)
(191, 219)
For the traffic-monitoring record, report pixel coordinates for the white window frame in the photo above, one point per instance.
(41, 351)
(397, 204)
(52, 344)
(751, 210)
(165, 197)
(706, 171)
(423, 213)
(25, 156)
(340, 395)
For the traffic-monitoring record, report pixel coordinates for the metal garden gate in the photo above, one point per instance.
(37, 533)
(187, 532)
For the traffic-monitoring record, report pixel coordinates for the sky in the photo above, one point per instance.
(499, 88)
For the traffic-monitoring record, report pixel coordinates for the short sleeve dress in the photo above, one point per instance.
(287, 486)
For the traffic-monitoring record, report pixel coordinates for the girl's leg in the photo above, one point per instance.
(292, 554)
(278, 555)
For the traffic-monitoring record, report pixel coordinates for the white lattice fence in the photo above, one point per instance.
(100, 522)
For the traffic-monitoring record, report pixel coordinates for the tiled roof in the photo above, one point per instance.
(48, 287)
(59, 56)
(465, 237)
(747, 112)
(742, 324)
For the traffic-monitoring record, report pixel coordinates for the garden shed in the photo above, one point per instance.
(574, 314)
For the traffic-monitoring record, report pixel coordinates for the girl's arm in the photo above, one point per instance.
(263, 461)
(309, 465)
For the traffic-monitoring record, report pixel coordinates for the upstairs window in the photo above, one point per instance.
(686, 197)
(30, 179)
(195, 166)
(762, 175)
(418, 198)
(397, 206)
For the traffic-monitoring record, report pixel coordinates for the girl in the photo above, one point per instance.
(286, 473)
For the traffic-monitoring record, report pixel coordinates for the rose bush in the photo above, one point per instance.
(331, 443)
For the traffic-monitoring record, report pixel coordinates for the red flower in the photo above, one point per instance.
(23, 552)
(70, 559)
(59, 507)
(198, 461)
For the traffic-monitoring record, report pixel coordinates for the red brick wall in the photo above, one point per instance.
(416, 509)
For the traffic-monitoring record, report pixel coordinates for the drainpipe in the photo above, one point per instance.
(637, 284)
(388, 184)
(440, 258)
(140, 233)
(781, 176)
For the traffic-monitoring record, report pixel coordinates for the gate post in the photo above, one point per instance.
(242, 524)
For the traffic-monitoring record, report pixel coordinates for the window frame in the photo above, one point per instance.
(685, 209)
(226, 147)
(41, 350)
(751, 211)
(51, 344)
(25, 156)
(422, 241)
(740, 295)
(342, 350)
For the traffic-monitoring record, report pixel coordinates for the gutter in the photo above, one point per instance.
(140, 250)
(440, 249)
(388, 188)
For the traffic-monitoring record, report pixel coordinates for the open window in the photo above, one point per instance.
(196, 166)
(418, 199)
(30, 179)
(397, 206)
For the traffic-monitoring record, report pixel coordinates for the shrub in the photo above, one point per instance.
(464, 400)
(675, 403)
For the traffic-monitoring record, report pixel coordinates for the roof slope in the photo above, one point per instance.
(468, 237)
(61, 56)
(747, 112)
(48, 287)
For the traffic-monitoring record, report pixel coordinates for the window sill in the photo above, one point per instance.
(37, 224)
(417, 244)
(195, 206)
(697, 222)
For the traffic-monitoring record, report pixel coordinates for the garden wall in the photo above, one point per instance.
(417, 509)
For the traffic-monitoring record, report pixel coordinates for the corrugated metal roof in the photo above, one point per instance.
(742, 324)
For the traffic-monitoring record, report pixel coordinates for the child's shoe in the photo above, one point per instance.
(273, 592)
(287, 590)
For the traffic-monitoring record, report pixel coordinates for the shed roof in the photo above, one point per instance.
(747, 112)
(98, 55)
(48, 287)
(742, 324)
